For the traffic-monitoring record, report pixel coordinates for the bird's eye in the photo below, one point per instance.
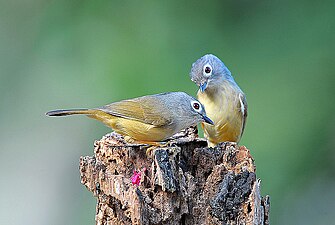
(207, 71)
(196, 106)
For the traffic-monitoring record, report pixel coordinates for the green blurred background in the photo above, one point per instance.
(71, 53)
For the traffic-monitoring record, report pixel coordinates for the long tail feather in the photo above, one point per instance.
(67, 112)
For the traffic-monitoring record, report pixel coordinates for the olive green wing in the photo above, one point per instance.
(146, 110)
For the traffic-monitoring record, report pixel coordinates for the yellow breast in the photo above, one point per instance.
(224, 106)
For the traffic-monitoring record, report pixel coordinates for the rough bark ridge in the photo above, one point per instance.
(184, 183)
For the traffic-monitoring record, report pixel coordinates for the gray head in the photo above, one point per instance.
(187, 109)
(207, 70)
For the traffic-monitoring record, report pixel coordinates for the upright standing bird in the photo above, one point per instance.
(223, 99)
(147, 119)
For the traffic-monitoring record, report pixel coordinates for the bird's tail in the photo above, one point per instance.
(67, 112)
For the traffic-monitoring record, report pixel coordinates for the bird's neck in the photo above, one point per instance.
(227, 82)
(220, 90)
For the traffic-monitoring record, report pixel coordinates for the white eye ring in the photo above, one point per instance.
(207, 70)
(196, 106)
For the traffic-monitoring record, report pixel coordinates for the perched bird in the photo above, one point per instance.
(223, 99)
(147, 119)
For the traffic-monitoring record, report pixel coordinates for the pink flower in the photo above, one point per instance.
(136, 178)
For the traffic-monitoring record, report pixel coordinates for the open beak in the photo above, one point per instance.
(207, 120)
(203, 86)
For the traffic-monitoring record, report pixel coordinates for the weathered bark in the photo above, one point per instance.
(184, 183)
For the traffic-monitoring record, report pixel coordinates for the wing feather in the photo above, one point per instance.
(146, 110)
(244, 110)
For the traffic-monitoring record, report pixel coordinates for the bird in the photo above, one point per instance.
(223, 99)
(148, 119)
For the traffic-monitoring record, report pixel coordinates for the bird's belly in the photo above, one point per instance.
(228, 121)
(141, 131)
(136, 130)
(224, 130)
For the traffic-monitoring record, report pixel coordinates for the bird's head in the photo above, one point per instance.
(208, 70)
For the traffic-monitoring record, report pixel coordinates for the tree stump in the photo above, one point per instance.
(184, 183)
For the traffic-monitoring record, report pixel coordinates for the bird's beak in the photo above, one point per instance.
(207, 120)
(203, 86)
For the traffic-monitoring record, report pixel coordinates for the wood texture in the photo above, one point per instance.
(183, 183)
